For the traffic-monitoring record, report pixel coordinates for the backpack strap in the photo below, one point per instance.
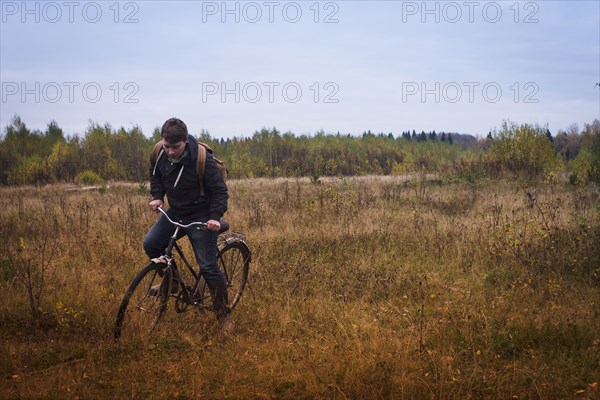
(200, 166)
(157, 151)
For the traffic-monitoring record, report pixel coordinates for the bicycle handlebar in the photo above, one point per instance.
(202, 224)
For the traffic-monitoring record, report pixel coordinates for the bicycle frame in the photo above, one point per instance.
(168, 259)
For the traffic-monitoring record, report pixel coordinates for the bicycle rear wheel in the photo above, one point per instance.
(144, 302)
(234, 261)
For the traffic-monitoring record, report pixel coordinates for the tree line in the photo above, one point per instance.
(103, 153)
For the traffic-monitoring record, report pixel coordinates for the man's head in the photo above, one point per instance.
(175, 135)
(174, 130)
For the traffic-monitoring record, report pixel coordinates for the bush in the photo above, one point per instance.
(523, 150)
(88, 177)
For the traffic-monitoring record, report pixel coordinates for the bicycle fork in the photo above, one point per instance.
(169, 269)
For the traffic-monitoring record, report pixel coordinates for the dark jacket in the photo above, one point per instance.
(183, 194)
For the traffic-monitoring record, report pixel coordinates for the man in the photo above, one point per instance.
(175, 174)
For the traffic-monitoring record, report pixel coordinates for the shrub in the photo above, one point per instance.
(88, 177)
(523, 150)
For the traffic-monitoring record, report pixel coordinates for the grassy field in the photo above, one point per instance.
(359, 289)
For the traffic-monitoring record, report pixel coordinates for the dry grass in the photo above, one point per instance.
(359, 288)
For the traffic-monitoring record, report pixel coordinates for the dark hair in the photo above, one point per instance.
(174, 130)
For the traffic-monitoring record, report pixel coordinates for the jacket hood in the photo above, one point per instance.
(192, 148)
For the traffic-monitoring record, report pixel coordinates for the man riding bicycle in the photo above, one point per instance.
(174, 174)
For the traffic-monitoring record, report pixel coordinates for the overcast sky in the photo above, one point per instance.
(235, 67)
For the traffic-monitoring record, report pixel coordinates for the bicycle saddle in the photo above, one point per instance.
(224, 226)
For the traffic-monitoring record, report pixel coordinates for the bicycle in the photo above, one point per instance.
(146, 299)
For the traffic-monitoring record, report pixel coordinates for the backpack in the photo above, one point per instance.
(158, 151)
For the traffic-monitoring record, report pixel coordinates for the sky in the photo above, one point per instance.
(235, 67)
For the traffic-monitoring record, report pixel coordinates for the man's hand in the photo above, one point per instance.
(154, 204)
(213, 225)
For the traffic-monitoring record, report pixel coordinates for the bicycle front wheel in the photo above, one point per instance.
(144, 302)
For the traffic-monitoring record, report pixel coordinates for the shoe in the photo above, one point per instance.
(227, 325)
(220, 301)
(153, 291)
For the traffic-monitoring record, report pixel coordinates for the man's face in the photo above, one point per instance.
(174, 150)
